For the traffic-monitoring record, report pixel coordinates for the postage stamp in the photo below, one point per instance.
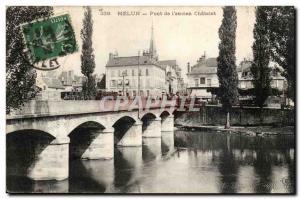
(49, 39)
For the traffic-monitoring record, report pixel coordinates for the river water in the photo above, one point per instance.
(182, 162)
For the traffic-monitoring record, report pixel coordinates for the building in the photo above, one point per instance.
(156, 77)
(246, 79)
(203, 78)
(49, 85)
(174, 81)
(70, 81)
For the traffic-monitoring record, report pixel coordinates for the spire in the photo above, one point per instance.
(152, 49)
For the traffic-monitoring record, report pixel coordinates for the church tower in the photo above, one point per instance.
(152, 48)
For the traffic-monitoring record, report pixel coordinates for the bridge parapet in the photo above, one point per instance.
(35, 108)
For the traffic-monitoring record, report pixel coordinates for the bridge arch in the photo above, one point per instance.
(24, 125)
(165, 114)
(84, 139)
(151, 125)
(121, 126)
(148, 113)
(147, 118)
(23, 148)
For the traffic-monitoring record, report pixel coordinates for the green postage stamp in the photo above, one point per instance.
(48, 40)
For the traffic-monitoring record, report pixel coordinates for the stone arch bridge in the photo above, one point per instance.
(59, 120)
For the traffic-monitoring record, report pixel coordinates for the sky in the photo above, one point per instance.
(184, 38)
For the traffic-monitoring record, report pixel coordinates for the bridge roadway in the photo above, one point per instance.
(50, 129)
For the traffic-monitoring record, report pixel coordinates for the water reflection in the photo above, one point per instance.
(182, 162)
(81, 180)
(22, 184)
(102, 171)
(228, 168)
(151, 149)
(128, 163)
(167, 143)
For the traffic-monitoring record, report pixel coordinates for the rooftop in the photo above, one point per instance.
(206, 66)
(130, 61)
(53, 83)
(168, 62)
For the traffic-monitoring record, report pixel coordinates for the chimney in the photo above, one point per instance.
(111, 56)
(188, 67)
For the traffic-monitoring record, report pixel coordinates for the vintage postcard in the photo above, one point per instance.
(150, 100)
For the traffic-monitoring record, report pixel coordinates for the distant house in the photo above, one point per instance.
(49, 85)
(174, 80)
(145, 74)
(246, 79)
(122, 75)
(202, 77)
(70, 81)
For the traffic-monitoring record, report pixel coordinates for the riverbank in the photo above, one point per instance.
(213, 115)
(244, 130)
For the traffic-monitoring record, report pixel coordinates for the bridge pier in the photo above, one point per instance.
(133, 136)
(102, 147)
(167, 124)
(53, 162)
(153, 129)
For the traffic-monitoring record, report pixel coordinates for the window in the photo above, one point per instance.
(208, 82)
(202, 80)
(112, 73)
(133, 82)
(132, 72)
(140, 72)
(273, 84)
(196, 82)
(120, 82)
(113, 83)
(243, 85)
(147, 72)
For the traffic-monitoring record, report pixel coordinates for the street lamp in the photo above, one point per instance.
(124, 74)
(138, 81)
(138, 91)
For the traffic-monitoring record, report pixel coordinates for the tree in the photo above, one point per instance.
(261, 57)
(282, 37)
(101, 84)
(20, 74)
(87, 56)
(227, 74)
